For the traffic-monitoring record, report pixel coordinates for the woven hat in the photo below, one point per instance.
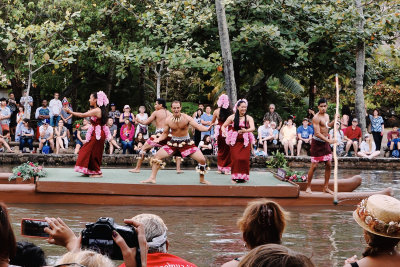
(380, 215)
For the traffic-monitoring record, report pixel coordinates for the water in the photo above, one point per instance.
(208, 236)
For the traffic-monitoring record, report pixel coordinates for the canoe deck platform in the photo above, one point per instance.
(120, 187)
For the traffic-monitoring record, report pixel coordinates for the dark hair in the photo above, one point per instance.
(162, 102)
(262, 222)
(205, 139)
(236, 120)
(104, 113)
(224, 113)
(3, 99)
(273, 255)
(21, 106)
(378, 244)
(7, 239)
(376, 111)
(197, 113)
(28, 255)
(5, 132)
(321, 101)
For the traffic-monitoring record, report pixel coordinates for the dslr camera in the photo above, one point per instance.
(98, 237)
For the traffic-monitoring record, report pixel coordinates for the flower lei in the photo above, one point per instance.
(102, 99)
(223, 101)
(235, 107)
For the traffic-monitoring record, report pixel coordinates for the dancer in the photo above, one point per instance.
(159, 117)
(222, 113)
(91, 153)
(320, 145)
(240, 137)
(178, 123)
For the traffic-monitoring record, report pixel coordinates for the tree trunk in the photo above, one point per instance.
(360, 65)
(311, 93)
(141, 84)
(110, 80)
(159, 72)
(229, 74)
(17, 85)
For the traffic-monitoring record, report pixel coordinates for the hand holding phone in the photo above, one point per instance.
(34, 228)
(60, 234)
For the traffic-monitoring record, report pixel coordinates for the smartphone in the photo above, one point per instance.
(34, 228)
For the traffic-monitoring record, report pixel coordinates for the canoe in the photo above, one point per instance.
(344, 184)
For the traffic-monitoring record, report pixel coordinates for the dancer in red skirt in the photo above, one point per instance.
(91, 153)
(239, 136)
(222, 113)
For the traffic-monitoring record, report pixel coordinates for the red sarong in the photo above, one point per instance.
(240, 158)
(224, 156)
(320, 151)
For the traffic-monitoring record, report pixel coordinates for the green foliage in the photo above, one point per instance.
(277, 161)
(27, 171)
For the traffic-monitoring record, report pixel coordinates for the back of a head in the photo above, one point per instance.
(28, 255)
(87, 258)
(7, 239)
(273, 255)
(155, 230)
(262, 222)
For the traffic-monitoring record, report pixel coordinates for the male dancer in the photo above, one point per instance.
(320, 145)
(180, 141)
(159, 116)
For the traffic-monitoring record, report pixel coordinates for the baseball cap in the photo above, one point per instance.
(127, 106)
(112, 104)
(305, 119)
(46, 121)
(65, 101)
(355, 119)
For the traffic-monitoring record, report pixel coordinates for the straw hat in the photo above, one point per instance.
(380, 215)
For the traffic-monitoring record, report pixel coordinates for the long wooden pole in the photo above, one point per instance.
(335, 128)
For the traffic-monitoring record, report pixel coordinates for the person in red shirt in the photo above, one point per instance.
(352, 135)
(156, 236)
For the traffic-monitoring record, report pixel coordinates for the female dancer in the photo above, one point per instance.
(222, 113)
(91, 153)
(240, 137)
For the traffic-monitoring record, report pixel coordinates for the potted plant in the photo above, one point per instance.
(27, 173)
(297, 177)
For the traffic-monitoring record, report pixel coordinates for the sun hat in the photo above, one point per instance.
(46, 121)
(355, 119)
(127, 106)
(380, 215)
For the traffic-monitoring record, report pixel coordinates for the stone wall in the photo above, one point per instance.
(256, 162)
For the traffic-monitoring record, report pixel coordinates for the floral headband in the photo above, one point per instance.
(102, 99)
(236, 105)
(223, 101)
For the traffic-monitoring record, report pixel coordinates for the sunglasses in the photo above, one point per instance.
(69, 264)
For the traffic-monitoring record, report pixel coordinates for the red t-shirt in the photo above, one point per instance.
(353, 134)
(165, 260)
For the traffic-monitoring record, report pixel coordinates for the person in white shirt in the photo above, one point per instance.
(368, 148)
(46, 135)
(55, 110)
(265, 136)
(27, 102)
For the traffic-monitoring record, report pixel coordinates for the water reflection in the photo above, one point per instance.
(208, 236)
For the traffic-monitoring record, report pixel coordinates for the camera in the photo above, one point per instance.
(98, 237)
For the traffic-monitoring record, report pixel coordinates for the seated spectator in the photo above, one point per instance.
(113, 130)
(81, 134)
(46, 135)
(274, 255)
(42, 113)
(4, 140)
(26, 136)
(304, 135)
(8, 245)
(352, 136)
(139, 142)
(273, 116)
(374, 215)
(368, 148)
(340, 140)
(289, 137)
(127, 134)
(85, 258)
(395, 130)
(157, 241)
(262, 222)
(205, 145)
(265, 136)
(28, 255)
(394, 143)
(60, 135)
(275, 132)
(127, 114)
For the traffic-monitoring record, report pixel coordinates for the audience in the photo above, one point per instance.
(262, 222)
(113, 130)
(352, 136)
(304, 135)
(13, 106)
(265, 136)
(127, 134)
(28, 255)
(46, 136)
(81, 134)
(142, 128)
(8, 245)
(377, 128)
(42, 113)
(20, 117)
(340, 140)
(272, 116)
(274, 255)
(126, 115)
(394, 143)
(114, 114)
(205, 145)
(368, 148)
(27, 102)
(65, 117)
(55, 108)
(60, 135)
(5, 115)
(5, 138)
(201, 107)
(288, 133)
(206, 120)
(197, 134)
(26, 136)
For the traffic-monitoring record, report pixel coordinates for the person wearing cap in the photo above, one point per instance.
(114, 113)
(304, 135)
(65, 117)
(368, 148)
(157, 241)
(379, 216)
(126, 114)
(42, 113)
(353, 136)
(45, 135)
(55, 107)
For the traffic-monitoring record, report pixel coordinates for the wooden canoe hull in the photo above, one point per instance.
(344, 185)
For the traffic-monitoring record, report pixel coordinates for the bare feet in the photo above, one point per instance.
(149, 181)
(308, 190)
(327, 190)
(135, 170)
(219, 172)
(179, 172)
(233, 182)
(204, 182)
(227, 173)
(85, 175)
(95, 176)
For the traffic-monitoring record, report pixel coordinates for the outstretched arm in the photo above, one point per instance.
(197, 126)
(93, 112)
